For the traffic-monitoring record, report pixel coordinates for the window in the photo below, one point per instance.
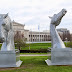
(33, 35)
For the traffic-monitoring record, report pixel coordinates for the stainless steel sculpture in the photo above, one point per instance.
(6, 33)
(9, 57)
(60, 55)
(55, 21)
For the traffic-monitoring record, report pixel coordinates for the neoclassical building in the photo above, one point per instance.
(26, 34)
(18, 27)
(34, 36)
(31, 36)
(39, 36)
(66, 33)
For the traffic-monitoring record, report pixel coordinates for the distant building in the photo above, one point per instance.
(34, 36)
(18, 30)
(66, 33)
(18, 27)
(31, 35)
(39, 36)
(64, 30)
(71, 37)
(26, 34)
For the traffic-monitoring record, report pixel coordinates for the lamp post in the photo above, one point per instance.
(66, 41)
(29, 44)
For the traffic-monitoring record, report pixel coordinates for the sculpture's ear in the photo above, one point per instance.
(50, 17)
(6, 15)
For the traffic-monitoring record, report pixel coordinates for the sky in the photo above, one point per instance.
(34, 13)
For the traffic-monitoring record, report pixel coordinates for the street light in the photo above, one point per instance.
(66, 41)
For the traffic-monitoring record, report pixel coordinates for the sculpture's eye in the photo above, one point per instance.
(65, 11)
(4, 24)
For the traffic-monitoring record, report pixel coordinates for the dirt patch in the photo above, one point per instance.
(13, 68)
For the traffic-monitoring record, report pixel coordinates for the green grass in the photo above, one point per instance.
(36, 53)
(37, 64)
(36, 46)
(0, 45)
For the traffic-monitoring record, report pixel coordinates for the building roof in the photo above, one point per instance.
(26, 30)
(34, 32)
(16, 23)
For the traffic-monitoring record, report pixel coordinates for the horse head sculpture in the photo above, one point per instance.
(6, 33)
(55, 21)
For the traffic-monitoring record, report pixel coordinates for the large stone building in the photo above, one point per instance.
(39, 36)
(26, 34)
(66, 34)
(18, 27)
(71, 37)
(34, 36)
(31, 35)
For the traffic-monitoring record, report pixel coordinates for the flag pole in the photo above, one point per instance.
(39, 32)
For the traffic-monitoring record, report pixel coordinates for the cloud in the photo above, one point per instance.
(36, 12)
(14, 3)
(22, 19)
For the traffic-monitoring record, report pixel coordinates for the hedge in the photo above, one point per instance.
(34, 51)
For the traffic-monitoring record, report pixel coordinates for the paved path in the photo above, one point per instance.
(35, 55)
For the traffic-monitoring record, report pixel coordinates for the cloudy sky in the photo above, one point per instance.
(35, 12)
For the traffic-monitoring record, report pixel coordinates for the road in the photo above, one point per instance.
(35, 55)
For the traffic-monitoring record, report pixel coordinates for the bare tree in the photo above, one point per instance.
(66, 35)
(20, 40)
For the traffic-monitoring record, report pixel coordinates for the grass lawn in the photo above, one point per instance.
(36, 53)
(35, 46)
(37, 64)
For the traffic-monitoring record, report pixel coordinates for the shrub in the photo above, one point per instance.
(69, 44)
(34, 51)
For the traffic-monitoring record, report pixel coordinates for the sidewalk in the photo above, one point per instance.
(35, 55)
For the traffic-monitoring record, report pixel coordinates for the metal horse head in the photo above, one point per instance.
(6, 33)
(56, 19)
(4, 26)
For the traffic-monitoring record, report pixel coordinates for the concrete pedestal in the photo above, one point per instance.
(9, 59)
(60, 56)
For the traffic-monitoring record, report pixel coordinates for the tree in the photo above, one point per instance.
(66, 35)
(20, 40)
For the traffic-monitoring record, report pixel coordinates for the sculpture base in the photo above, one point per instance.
(9, 59)
(62, 56)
